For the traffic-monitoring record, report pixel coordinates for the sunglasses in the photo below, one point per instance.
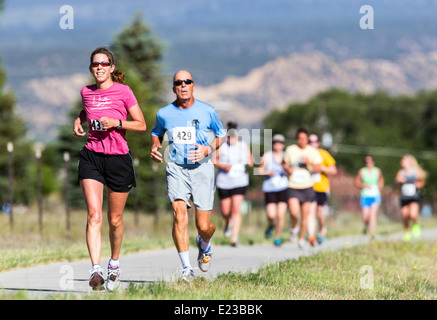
(103, 64)
(178, 83)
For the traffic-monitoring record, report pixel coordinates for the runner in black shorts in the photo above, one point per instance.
(105, 159)
(115, 171)
(300, 161)
(411, 178)
(232, 180)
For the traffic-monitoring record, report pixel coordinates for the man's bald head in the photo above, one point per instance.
(182, 75)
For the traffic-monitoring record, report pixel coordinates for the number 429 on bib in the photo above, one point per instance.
(184, 135)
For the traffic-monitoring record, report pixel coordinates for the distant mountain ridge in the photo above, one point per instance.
(248, 99)
(299, 76)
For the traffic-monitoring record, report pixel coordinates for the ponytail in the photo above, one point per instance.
(118, 76)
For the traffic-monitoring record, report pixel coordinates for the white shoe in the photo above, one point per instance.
(187, 274)
(96, 280)
(293, 234)
(204, 257)
(228, 231)
(301, 243)
(113, 280)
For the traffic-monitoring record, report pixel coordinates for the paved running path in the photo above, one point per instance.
(150, 266)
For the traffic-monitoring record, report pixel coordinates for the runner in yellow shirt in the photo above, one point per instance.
(322, 189)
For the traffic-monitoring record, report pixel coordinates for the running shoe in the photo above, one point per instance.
(96, 279)
(204, 257)
(312, 240)
(406, 237)
(320, 238)
(187, 274)
(113, 280)
(277, 242)
(228, 230)
(269, 231)
(301, 243)
(293, 234)
(234, 243)
(416, 231)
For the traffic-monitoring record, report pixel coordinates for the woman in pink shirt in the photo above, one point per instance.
(105, 158)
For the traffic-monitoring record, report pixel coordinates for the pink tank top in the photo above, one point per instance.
(113, 102)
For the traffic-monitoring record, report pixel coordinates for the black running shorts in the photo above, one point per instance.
(321, 198)
(276, 197)
(115, 171)
(227, 193)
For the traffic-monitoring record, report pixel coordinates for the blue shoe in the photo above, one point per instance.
(277, 242)
(269, 232)
(320, 238)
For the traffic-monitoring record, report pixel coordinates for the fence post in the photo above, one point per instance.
(10, 147)
(38, 151)
(67, 183)
(136, 215)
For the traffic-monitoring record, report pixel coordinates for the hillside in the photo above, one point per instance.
(297, 77)
(249, 98)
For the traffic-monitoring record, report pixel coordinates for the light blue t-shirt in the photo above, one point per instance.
(197, 124)
(277, 182)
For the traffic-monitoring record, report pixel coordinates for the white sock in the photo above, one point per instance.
(114, 263)
(185, 259)
(205, 245)
(96, 266)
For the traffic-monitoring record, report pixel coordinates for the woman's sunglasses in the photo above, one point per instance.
(103, 64)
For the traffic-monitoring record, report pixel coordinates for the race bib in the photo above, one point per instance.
(237, 170)
(408, 189)
(279, 181)
(300, 176)
(317, 177)
(184, 135)
(96, 125)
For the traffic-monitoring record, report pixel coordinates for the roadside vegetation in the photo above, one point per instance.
(400, 270)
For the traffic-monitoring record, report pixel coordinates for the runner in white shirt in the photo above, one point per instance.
(232, 180)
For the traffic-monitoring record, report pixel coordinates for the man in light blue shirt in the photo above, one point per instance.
(185, 127)
(194, 131)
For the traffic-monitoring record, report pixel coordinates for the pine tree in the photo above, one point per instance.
(138, 54)
(13, 129)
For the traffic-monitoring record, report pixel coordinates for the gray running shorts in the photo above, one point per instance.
(191, 183)
(304, 195)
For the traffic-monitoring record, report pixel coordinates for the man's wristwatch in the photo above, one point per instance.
(119, 126)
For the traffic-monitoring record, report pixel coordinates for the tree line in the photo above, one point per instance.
(376, 124)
